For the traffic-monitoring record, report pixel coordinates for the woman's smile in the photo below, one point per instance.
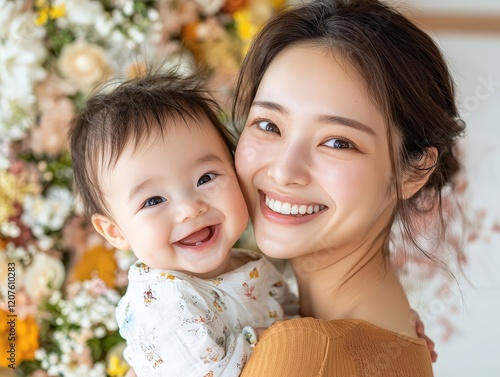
(292, 211)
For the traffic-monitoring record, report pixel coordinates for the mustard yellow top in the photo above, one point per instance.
(308, 347)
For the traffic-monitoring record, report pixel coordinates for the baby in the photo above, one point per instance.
(153, 166)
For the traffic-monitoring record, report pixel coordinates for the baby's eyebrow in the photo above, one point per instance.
(209, 157)
(139, 187)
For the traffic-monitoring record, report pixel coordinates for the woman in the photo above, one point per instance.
(349, 122)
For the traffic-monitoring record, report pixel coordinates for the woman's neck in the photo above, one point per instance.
(359, 284)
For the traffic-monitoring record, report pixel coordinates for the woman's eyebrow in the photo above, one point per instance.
(330, 119)
(348, 122)
(271, 106)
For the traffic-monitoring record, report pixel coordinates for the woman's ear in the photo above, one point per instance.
(110, 231)
(415, 180)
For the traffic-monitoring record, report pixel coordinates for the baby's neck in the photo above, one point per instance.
(360, 285)
(232, 262)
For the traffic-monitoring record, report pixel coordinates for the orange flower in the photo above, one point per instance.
(97, 261)
(232, 6)
(18, 339)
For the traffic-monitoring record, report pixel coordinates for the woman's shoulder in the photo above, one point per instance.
(341, 328)
(308, 346)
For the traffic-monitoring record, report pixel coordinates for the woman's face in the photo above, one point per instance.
(313, 158)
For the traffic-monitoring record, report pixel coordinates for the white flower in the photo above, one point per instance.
(99, 332)
(210, 7)
(4, 149)
(10, 229)
(83, 64)
(83, 12)
(21, 58)
(45, 274)
(40, 354)
(47, 212)
(128, 8)
(103, 26)
(45, 243)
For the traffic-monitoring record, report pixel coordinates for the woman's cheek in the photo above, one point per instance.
(246, 153)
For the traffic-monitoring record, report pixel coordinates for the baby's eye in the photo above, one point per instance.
(154, 201)
(338, 144)
(205, 178)
(268, 126)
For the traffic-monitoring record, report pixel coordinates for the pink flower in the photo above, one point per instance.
(50, 135)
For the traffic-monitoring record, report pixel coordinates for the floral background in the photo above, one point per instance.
(52, 54)
(67, 280)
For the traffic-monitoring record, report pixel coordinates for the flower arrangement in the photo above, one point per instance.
(59, 282)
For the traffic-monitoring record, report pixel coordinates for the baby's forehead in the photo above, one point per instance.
(173, 129)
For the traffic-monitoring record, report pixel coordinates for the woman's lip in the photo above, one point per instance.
(287, 199)
(205, 245)
(278, 218)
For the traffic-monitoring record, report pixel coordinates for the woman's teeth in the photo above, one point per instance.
(292, 209)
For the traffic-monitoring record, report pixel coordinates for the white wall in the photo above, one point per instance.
(456, 6)
(467, 329)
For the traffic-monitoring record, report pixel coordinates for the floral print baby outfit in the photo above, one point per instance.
(176, 324)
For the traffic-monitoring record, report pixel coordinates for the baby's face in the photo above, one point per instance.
(176, 201)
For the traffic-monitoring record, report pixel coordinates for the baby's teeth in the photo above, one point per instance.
(295, 209)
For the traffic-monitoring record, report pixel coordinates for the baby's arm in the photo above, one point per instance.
(172, 330)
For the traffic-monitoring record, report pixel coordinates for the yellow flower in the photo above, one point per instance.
(12, 191)
(18, 339)
(278, 4)
(49, 9)
(116, 367)
(254, 274)
(96, 261)
(244, 27)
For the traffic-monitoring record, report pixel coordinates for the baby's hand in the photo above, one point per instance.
(131, 373)
(419, 327)
(252, 334)
(260, 330)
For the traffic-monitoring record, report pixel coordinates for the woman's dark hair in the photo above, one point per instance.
(406, 75)
(134, 111)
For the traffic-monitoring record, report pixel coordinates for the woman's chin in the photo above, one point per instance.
(275, 248)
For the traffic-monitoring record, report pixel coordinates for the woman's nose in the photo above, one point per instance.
(290, 167)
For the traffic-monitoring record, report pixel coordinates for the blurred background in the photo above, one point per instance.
(60, 282)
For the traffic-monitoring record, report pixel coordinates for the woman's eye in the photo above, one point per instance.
(205, 178)
(154, 201)
(268, 126)
(338, 144)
